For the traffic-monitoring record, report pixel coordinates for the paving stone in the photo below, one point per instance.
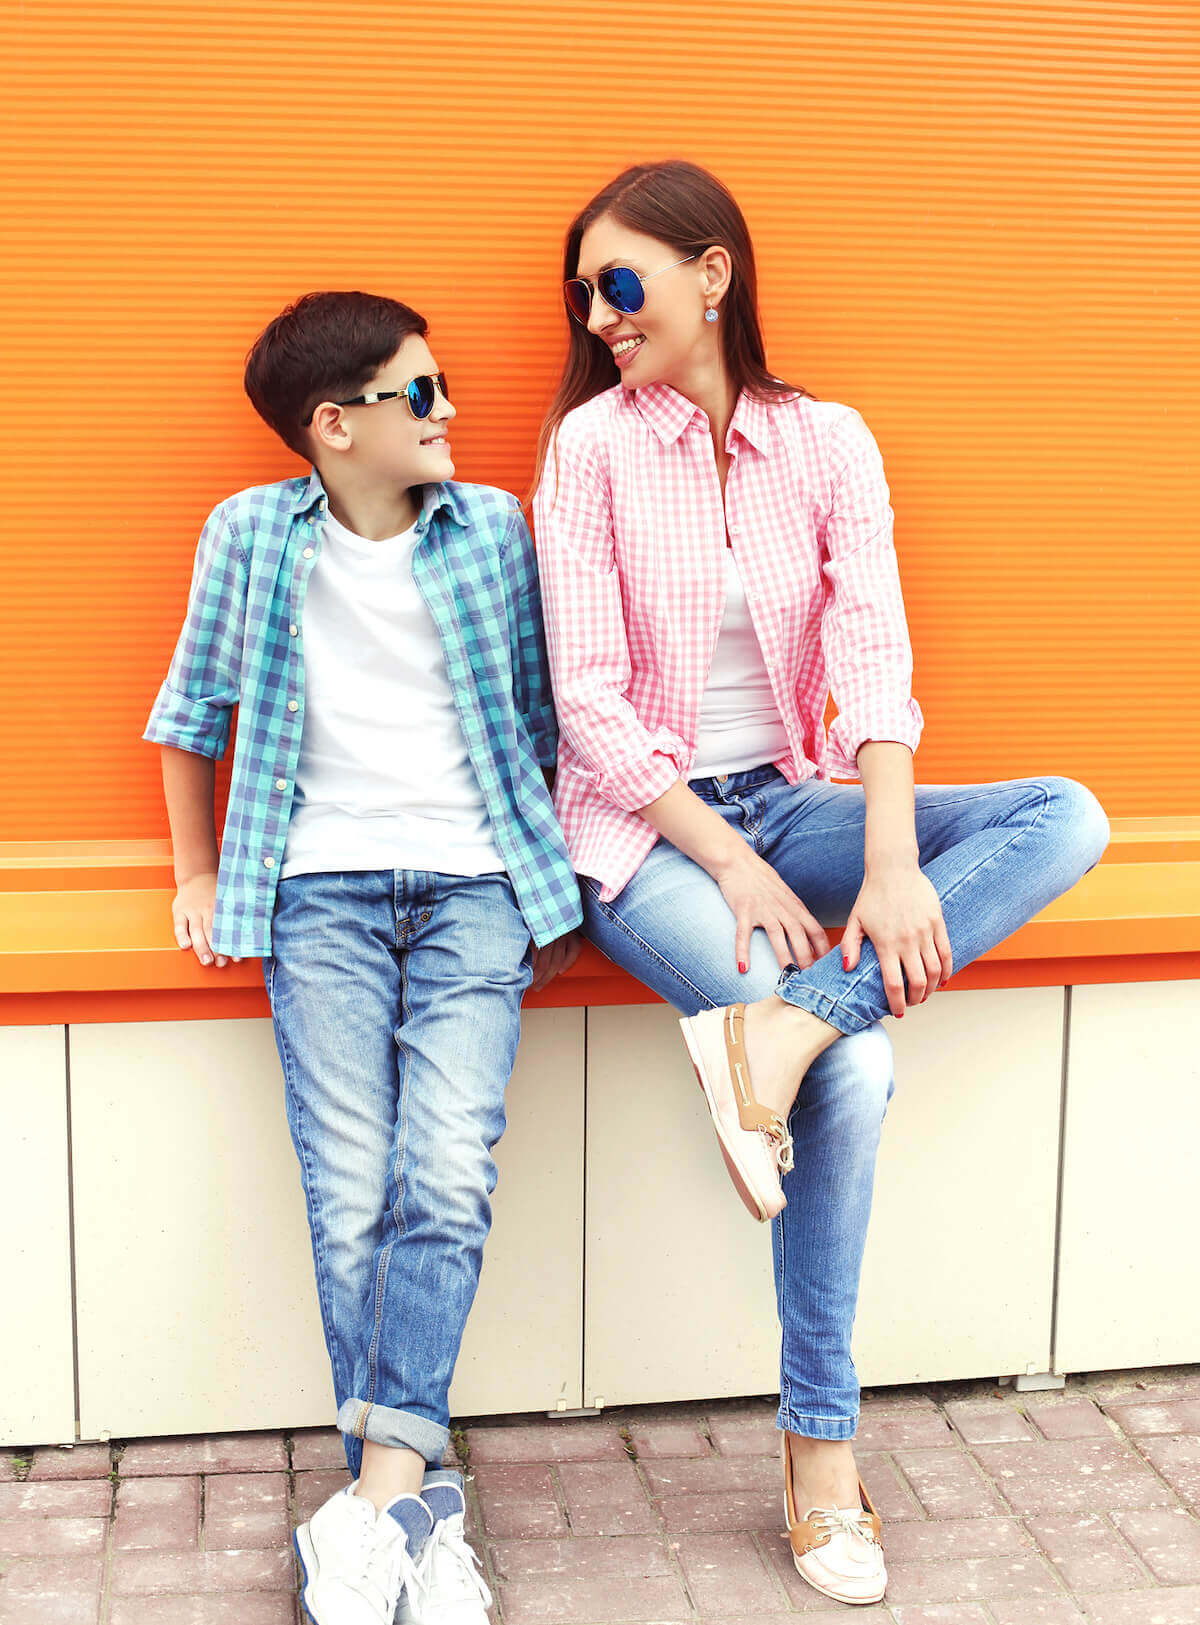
(987, 1422)
(954, 1537)
(1157, 1385)
(51, 1537)
(1087, 1551)
(894, 1399)
(1091, 1475)
(939, 1613)
(1178, 1460)
(1167, 1540)
(13, 1465)
(52, 1591)
(518, 1501)
(969, 1579)
(71, 1461)
(899, 1430)
(1173, 1416)
(722, 1514)
(724, 1572)
(312, 1490)
(893, 1499)
(1069, 1418)
(714, 1475)
(752, 1435)
(157, 1514)
(655, 1439)
(606, 1498)
(246, 1510)
(832, 1614)
(585, 1581)
(1164, 1606)
(316, 1449)
(225, 1608)
(948, 1483)
(1037, 1611)
(550, 1441)
(156, 1573)
(215, 1453)
(57, 1498)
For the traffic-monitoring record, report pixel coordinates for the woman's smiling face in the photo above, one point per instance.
(668, 338)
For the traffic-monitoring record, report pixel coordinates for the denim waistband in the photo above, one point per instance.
(725, 784)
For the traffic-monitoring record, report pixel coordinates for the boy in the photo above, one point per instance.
(390, 849)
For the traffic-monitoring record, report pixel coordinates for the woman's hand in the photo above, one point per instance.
(899, 910)
(192, 917)
(760, 900)
(554, 958)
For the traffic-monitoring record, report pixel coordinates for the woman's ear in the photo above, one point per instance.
(716, 265)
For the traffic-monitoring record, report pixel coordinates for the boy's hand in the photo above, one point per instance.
(555, 957)
(192, 916)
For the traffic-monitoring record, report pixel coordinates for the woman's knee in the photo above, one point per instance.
(1083, 819)
(858, 1069)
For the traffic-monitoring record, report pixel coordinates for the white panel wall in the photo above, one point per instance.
(959, 1268)
(1128, 1291)
(37, 1395)
(196, 1303)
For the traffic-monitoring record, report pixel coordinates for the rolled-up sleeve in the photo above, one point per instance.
(628, 764)
(195, 704)
(864, 632)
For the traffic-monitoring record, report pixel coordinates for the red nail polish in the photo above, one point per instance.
(845, 963)
(741, 967)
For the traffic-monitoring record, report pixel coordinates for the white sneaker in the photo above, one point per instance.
(451, 1589)
(356, 1561)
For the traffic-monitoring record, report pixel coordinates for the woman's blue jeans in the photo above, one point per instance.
(396, 996)
(997, 854)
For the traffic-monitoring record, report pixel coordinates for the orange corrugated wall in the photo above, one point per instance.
(976, 222)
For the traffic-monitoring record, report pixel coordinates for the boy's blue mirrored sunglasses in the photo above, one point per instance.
(619, 287)
(420, 393)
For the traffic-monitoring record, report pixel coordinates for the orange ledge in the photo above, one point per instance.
(85, 934)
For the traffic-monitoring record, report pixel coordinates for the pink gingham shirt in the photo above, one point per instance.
(631, 538)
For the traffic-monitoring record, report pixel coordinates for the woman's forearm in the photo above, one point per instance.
(887, 776)
(188, 781)
(697, 830)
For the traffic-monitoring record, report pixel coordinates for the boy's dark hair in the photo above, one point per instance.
(323, 347)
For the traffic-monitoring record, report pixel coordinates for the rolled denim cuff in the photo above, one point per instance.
(817, 1427)
(838, 1012)
(358, 1419)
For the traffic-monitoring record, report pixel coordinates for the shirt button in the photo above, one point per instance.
(322, 505)
(308, 552)
(281, 784)
(293, 705)
(268, 863)
(293, 630)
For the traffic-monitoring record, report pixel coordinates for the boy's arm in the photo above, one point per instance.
(531, 666)
(190, 720)
(188, 788)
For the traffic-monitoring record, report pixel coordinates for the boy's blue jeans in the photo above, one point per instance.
(396, 996)
(997, 854)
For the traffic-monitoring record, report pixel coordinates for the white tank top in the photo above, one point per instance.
(740, 725)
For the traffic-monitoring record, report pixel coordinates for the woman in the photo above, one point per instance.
(716, 555)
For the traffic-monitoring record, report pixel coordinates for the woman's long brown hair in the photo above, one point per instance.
(689, 210)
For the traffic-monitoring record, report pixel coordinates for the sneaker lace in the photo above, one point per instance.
(386, 1566)
(448, 1536)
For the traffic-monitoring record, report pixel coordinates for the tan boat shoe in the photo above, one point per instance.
(838, 1550)
(754, 1140)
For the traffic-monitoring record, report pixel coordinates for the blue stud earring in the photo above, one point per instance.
(710, 315)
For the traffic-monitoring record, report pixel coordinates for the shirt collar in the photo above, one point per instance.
(311, 491)
(669, 413)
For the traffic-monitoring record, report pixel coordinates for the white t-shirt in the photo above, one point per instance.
(740, 725)
(384, 780)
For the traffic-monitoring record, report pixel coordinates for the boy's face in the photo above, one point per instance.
(384, 441)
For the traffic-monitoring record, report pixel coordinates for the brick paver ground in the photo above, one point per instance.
(999, 1508)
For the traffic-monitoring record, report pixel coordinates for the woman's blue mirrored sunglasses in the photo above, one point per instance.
(619, 287)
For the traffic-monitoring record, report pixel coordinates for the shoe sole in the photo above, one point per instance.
(306, 1558)
(739, 1176)
(853, 1602)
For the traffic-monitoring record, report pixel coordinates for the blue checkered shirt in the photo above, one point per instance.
(243, 644)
